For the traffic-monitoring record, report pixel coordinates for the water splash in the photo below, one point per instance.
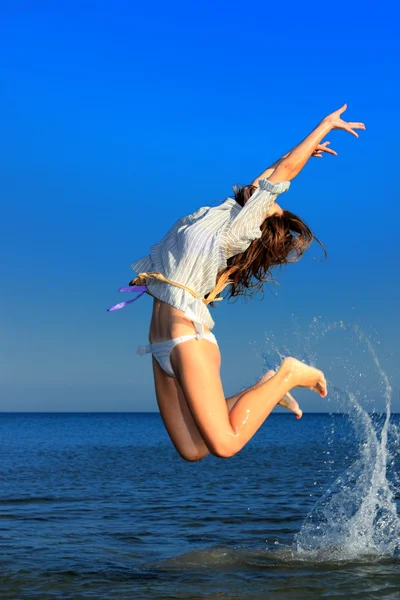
(357, 517)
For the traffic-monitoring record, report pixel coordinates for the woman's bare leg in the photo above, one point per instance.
(178, 419)
(287, 401)
(197, 363)
(196, 414)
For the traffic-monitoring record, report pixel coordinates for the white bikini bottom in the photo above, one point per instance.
(162, 350)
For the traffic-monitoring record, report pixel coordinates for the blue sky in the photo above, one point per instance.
(119, 118)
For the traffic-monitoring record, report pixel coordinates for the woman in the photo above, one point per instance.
(235, 244)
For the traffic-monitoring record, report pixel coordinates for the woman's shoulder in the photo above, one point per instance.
(215, 216)
(222, 210)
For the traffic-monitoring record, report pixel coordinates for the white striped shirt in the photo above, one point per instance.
(199, 245)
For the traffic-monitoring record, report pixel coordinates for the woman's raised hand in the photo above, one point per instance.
(323, 148)
(336, 122)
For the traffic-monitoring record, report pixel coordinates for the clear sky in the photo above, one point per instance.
(120, 117)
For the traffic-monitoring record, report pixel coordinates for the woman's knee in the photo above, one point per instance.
(218, 450)
(224, 448)
(192, 455)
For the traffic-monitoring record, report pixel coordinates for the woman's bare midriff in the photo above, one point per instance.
(167, 323)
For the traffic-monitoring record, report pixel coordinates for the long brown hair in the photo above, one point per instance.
(284, 239)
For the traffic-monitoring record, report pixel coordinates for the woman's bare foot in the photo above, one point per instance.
(298, 374)
(287, 401)
(290, 403)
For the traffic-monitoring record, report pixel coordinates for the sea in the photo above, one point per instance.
(100, 506)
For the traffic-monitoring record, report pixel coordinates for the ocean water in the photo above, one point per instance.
(100, 506)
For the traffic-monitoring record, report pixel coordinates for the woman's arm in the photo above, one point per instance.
(318, 151)
(292, 164)
(268, 172)
(245, 227)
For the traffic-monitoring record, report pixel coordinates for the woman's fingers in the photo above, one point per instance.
(350, 130)
(356, 125)
(330, 151)
(350, 127)
(323, 148)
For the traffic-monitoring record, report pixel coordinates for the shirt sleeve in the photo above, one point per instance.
(245, 227)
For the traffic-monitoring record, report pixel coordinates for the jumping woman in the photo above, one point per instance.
(233, 246)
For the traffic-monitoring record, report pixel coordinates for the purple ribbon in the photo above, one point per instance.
(136, 289)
